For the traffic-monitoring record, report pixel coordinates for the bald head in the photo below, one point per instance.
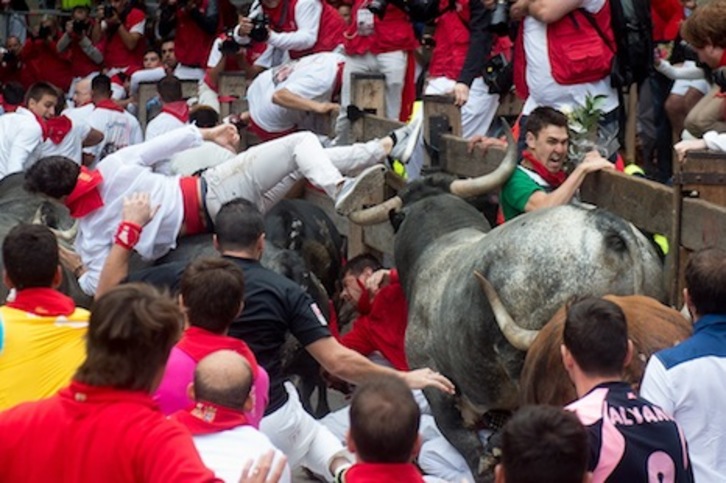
(82, 92)
(223, 378)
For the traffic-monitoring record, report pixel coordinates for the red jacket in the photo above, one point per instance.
(394, 32)
(115, 53)
(383, 329)
(330, 28)
(44, 63)
(88, 433)
(191, 42)
(667, 16)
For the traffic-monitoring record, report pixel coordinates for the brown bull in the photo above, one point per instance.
(651, 326)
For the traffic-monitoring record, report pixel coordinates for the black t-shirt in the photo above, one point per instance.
(274, 306)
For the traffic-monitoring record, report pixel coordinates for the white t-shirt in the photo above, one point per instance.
(311, 77)
(161, 124)
(226, 452)
(20, 139)
(126, 172)
(120, 129)
(71, 146)
(543, 89)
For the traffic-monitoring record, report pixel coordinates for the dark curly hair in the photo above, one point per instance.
(53, 176)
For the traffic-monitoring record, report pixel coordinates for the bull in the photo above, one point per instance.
(478, 297)
(651, 326)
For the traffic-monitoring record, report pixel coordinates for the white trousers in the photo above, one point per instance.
(265, 173)
(478, 112)
(304, 440)
(392, 65)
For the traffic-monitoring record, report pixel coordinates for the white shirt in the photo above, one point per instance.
(161, 124)
(20, 139)
(312, 77)
(226, 452)
(120, 129)
(543, 89)
(208, 155)
(71, 146)
(126, 172)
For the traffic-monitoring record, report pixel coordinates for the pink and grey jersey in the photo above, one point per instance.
(630, 438)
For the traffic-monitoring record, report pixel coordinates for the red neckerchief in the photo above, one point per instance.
(178, 109)
(553, 179)
(85, 197)
(206, 418)
(198, 343)
(57, 128)
(110, 105)
(82, 393)
(43, 301)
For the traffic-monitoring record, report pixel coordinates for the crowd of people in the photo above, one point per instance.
(144, 387)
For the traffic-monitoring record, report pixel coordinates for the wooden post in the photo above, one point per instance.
(631, 124)
(232, 89)
(190, 88)
(510, 106)
(441, 117)
(368, 93)
(147, 90)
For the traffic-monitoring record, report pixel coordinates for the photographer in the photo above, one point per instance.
(294, 27)
(85, 58)
(196, 23)
(10, 64)
(380, 39)
(121, 30)
(41, 60)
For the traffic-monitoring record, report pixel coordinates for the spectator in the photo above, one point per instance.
(704, 31)
(218, 422)
(85, 58)
(23, 131)
(13, 20)
(297, 27)
(121, 34)
(543, 444)
(41, 61)
(207, 327)
(154, 70)
(68, 136)
(120, 128)
(42, 333)
(384, 44)
(297, 96)
(11, 65)
(12, 98)
(174, 109)
(81, 114)
(548, 68)
(196, 24)
(384, 423)
(168, 55)
(711, 140)
(540, 180)
(625, 430)
(344, 11)
(686, 380)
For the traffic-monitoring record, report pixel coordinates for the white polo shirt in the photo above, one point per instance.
(20, 139)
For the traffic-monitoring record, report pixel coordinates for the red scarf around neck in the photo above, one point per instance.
(553, 179)
(110, 105)
(198, 343)
(207, 418)
(54, 128)
(85, 197)
(178, 109)
(43, 301)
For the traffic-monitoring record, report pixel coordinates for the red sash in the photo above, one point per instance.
(85, 197)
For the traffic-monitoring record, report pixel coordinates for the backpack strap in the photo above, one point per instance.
(591, 19)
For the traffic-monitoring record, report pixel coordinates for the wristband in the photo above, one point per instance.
(127, 235)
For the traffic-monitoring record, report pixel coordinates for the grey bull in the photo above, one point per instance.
(477, 298)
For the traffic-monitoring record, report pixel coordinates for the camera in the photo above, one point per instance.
(44, 32)
(108, 11)
(498, 74)
(499, 23)
(229, 46)
(260, 31)
(80, 27)
(9, 57)
(378, 7)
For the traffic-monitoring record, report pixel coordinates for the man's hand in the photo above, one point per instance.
(422, 378)
(484, 143)
(461, 94)
(327, 107)
(518, 10)
(70, 260)
(683, 147)
(378, 280)
(263, 472)
(245, 26)
(226, 135)
(593, 161)
(69, 27)
(137, 209)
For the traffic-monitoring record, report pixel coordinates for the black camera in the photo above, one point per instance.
(10, 57)
(108, 11)
(260, 28)
(499, 23)
(80, 27)
(44, 32)
(229, 46)
(378, 7)
(498, 74)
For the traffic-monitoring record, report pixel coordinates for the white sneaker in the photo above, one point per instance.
(406, 140)
(354, 191)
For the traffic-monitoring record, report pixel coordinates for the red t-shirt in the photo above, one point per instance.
(383, 329)
(88, 433)
(115, 53)
(43, 63)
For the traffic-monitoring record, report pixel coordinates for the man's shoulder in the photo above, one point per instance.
(697, 346)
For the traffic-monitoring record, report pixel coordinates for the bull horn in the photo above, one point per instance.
(487, 183)
(67, 236)
(376, 214)
(517, 336)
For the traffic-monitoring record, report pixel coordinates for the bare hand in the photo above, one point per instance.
(327, 107)
(226, 135)
(461, 94)
(422, 378)
(137, 209)
(683, 147)
(518, 10)
(484, 143)
(245, 26)
(69, 27)
(70, 259)
(378, 280)
(593, 161)
(263, 472)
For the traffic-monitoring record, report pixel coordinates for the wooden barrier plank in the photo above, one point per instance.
(456, 158)
(376, 127)
(190, 88)
(644, 203)
(703, 225)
